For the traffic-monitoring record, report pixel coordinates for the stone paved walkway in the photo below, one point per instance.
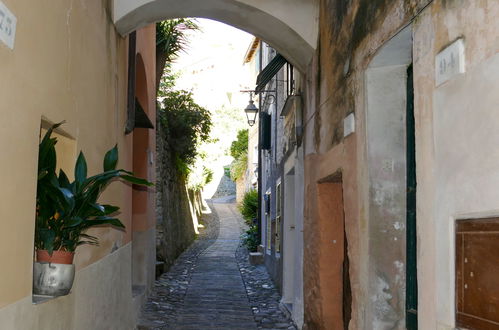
(205, 289)
(216, 297)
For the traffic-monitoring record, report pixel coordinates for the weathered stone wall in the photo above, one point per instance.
(240, 190)
(175, 228)
(226, 187)
(351, 34)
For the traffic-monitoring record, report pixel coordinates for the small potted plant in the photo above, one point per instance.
(66, 210)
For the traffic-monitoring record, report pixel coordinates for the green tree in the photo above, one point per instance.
(187, 125)
(240, 146)
(171, 40)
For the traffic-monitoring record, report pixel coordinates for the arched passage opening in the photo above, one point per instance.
(289, 26)
(143, 239)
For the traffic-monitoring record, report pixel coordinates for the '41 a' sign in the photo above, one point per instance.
(7, 26)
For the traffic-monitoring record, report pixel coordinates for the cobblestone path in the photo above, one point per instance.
(216, 297)
(212, 287)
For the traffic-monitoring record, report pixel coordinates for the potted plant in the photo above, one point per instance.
(66, 210)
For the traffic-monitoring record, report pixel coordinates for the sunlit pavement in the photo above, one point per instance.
(212, 285)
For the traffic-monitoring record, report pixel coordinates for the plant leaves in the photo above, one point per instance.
(102, 221)
(42, 174)
(135, 180)
(73, 222)
(68, 199)
(110, 209)
(47, 237)
(63, 180)
(99, 208)
(111, 159)
(80, 170)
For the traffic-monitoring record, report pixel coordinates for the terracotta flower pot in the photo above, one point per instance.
(57, 257)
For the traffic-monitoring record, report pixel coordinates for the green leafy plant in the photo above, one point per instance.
(239, 166)
(64, 209)
(250, 238)
(187, 124)
(171, 40)
(239, 151)
(249, 206)
(249, 211)
(240, 146)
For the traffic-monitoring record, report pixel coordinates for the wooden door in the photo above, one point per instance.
(477, 269)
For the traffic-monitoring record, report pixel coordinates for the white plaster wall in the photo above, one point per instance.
(106, 303)
(298, 239)
(466, 131)
(144, 258)
(290, 26)
(101, 299)
(456, 143)
(386, 108)
(289, 230)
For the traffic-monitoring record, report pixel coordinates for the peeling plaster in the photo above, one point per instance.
(384, 315)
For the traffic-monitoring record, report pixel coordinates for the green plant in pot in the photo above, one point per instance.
(66, 210)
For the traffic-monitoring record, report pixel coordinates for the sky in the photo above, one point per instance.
(213, 69)
(213, 65)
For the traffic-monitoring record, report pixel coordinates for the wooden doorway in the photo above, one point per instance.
(477, 265)
(334, 270)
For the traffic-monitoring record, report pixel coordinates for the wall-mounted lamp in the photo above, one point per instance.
(251, 111)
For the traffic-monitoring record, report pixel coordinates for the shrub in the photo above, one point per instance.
(238, 167)
(250, 238)
(249, 206)
(187, 125)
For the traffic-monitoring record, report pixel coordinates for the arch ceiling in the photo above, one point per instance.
(290, 26)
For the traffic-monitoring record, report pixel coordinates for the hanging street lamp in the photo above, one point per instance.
(251, 111)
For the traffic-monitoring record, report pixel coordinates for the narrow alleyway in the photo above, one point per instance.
(213, 287)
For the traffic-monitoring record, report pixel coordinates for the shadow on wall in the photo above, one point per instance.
(178, 209)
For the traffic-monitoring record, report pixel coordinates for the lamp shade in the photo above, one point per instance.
(251, 111)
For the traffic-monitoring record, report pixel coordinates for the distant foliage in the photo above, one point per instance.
(249, 206)
(239, 151)
(238, 167)
(168, 80)
(240, 146)
(199, 175)
(187, 125)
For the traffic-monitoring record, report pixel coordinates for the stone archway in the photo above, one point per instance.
(289, 26)
(143, 230)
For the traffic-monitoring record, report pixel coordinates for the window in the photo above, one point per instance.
(268, 232)
(290, 80)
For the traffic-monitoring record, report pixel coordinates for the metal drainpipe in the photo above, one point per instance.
(259, 218)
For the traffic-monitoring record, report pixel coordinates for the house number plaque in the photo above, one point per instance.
(449, 62)
(7, 26)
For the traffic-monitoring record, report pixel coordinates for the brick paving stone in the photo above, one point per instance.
(212, 285)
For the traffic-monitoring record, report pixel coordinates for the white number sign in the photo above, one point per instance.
(7, 26)
(450, 62)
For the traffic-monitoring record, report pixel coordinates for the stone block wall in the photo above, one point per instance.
(175, 223)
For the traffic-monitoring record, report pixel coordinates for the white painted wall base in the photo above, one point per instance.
(101, 299)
